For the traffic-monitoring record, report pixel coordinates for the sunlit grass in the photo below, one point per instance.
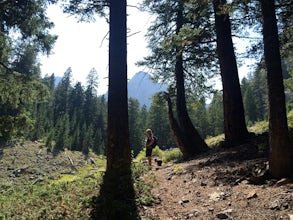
(259, 127)
(166, 156)
(65, 198)
(213, 142)
(172, 155)
(178, 169)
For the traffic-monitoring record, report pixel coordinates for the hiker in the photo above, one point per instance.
(151, 143)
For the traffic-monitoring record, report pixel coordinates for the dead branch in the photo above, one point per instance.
(93, 161)
(71, 162)
(104, 38)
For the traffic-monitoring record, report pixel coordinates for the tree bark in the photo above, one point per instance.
(192, 142)
(118, 150)
(117, 197)
(280, 161)
(234, 122)
(174, 126)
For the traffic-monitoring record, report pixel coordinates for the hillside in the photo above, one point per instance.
(37, 184)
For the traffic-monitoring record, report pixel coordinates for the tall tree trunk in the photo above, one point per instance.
(117, 197)
(174, 126)
(118, 151)
(192, 142)
(234, 122)
(280, 147)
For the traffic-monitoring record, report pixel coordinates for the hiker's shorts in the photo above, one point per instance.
(148, 152)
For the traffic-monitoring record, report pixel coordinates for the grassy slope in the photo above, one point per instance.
(35, 184)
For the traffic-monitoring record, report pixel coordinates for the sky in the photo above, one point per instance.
(83, 46)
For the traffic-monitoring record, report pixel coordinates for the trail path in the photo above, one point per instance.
(221, 185)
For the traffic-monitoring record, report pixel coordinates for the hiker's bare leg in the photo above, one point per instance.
(150, 160)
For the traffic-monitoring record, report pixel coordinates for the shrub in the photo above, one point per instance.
(157, 152)
(259, 127)
(173, 154)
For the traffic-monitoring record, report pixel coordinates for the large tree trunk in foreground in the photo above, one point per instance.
(280, 147)
(192, 142)
(118, 150)
(234, 122)
(117, 197)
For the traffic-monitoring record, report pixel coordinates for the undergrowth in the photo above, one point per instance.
(173, 154)
(143, 183)
(66, 198)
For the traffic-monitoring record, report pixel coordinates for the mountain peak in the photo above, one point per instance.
(142, 88)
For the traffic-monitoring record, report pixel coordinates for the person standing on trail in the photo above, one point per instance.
(151, 143)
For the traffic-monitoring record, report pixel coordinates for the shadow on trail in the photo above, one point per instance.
(116, 199)
(230, 166)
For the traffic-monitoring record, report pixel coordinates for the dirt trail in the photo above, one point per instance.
(223, 185)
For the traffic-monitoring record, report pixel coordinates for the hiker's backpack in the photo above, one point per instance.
(155, 142)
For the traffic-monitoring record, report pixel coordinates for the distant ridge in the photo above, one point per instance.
(142, 88)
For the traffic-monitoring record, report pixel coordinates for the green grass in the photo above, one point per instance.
(214, 142)
(68, 198)
(259, 127)
(143, 186)
(166, 156)
(178, 169)
(65, 198)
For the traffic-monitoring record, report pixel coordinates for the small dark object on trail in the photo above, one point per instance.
(159, 162)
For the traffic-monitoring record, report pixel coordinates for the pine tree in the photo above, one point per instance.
(215, 115)
(281, 163)
(19, 92)
(62, 137)
(99, 142)
(157, 120)
(234, 122)
(136, 131)
(250, 105)
(76, 143)
(177, 36)
(61, 96)
(101, 124)
(198, 114)
(91, 102)
(88, 141)
(76, 103)
(260, 92)
(19, 69)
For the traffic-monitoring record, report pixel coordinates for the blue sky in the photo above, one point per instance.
(83, 46)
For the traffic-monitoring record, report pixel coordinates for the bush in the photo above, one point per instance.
(168, 155)
(259, 127)
(214, 142)
(173, 154)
